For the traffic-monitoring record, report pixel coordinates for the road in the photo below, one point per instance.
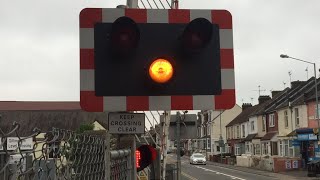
(211, 171)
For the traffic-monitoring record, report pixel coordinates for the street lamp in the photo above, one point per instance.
(315, 82)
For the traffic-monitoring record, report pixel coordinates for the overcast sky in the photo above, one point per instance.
(39, 49)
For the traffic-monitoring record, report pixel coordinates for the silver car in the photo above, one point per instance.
(197, 158)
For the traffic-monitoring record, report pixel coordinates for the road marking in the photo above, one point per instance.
(188, 176)
(243, 171)
(232, 177)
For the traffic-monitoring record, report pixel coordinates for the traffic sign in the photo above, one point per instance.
(119, 48)
(126, 123)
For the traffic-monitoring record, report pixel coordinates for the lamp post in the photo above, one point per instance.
(315, 82)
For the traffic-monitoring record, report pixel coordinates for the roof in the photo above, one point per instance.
(268, 136)
(39, 105)
(296, 95)
(243, 116)
(276, 101)
(64, 115)
(250, 137)
(311, 95)
(260, 108)
(304, 130)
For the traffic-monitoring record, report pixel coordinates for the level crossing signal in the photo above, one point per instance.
(145, 155)
(139, 56)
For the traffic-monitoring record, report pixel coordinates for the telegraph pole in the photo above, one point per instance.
(178, 120)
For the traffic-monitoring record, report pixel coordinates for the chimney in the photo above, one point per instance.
(263, 99)
(246, 105)
(295, 84)
(274, 93)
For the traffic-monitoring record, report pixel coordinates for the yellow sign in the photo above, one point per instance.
(143, 175)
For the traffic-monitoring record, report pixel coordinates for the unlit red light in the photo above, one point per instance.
(161, 71)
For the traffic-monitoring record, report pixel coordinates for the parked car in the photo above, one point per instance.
(197, 158)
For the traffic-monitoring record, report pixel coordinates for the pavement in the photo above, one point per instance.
(223, 172)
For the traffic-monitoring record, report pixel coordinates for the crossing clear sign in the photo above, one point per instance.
(126, 123)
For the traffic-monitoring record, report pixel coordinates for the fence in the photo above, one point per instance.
(120, 167)
(60, 154)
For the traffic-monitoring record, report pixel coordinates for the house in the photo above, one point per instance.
(45, 115)
(256, 127)
(203, 143)
(310, 100)
(217, 120)
(237, 130)
(269, 142)
(292, 114)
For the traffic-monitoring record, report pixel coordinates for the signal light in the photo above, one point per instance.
(161, 71)
(196, 35)
(125, 36)
(145, 155)
(138, 158)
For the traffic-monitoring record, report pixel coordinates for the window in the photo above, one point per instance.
(281, 148)
(232, 132)
(252, 125)
(286, 148)
(204, 131)
(209, 143)
(263, 123)
(238, 131)
(296, 116)
(315, 107)
(208, 129)
(237, 149)
(286, 119)
(265, 148)
(271, 120)
(274, 148)
(248, 147)
(243, 130)
(257, 149)
(227, 148)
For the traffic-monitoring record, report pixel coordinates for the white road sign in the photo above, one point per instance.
(12, 143)
(126, 123)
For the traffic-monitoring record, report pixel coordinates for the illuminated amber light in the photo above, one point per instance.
(161, 71)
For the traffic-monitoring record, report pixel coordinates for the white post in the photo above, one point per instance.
(164, 145)
(133, 157)
(132, 4)
(107, 156)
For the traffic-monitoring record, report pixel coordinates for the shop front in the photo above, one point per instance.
(308, 143)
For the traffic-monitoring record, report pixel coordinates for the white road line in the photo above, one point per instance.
(232, 177)
(242, 171)
(188, 176)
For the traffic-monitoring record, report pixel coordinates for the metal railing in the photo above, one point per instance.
(121, 165)
(58, 154)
